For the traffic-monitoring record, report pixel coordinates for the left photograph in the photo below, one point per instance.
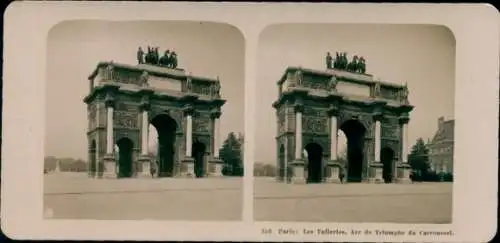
(144, 120)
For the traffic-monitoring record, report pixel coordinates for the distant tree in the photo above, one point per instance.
(419, 159)
(231, 155)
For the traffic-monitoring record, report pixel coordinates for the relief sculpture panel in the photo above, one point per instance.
(91, 112)
(315, 125)
(201, 123)
(126, 77)
(201, 88)
(281, 120)
(311, 83)
(124, 119)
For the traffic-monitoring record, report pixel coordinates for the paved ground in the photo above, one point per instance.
(74, 196)
(391, 203)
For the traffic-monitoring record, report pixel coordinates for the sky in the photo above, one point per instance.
(75, 48)
(423, 56)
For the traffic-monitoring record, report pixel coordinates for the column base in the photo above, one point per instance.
(376, 173)
(109, 167)
(297, 176)
(404, 170)
(217, 167)
(189, 162)
(145, 163)
(334, 175)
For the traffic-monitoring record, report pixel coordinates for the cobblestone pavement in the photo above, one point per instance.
(355, 202)
(74, 196)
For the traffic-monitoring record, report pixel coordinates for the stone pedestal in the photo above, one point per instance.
(216, 164)
(145, 163)
(109, 170)
(334, 169)
(298, 172)
(188, 162)
(376, 173)
(404, 170)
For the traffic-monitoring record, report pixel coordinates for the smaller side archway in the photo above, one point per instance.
(281, 162)
(199, 150)
(387, 160)
(314, 163)
(93, 158)
(125, 157)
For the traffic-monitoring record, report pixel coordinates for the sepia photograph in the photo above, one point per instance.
(356, 123)
(184, 121)
(144, 121)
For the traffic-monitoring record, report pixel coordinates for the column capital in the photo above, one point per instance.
(188, 110)
(144, 106)
(109, 102)
(333, 111)
(378, 116)
(404, 119)
(215, 114)
(298, 108)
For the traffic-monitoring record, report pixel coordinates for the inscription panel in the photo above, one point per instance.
(353, 89)
(165, 83)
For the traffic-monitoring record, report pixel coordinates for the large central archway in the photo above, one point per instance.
(199, 159)
(387, 160)
(125, 161)
(166, 128)
(314, 163)
(355, 134)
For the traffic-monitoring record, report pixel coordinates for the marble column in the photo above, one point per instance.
(376, 166)
(298, 135)
(188, 160)
(404, 142)
(333, 138)
(109, 162)
(215, 162)
(403, 168)
(144, 132)
(109, 130)
(189, 135)
(144, 161)
(298, 165)
(377, 140)
(333, 166)
(217, 143)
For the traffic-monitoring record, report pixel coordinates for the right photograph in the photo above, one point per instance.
(355, 123)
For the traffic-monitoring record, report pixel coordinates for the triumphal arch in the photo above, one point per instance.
(125, 99)
(313, 105)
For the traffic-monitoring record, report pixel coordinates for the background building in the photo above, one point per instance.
(441, 147)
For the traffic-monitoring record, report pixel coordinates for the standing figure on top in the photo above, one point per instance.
(328, 60)
(140, 56)
(173, 60)
(165, 58)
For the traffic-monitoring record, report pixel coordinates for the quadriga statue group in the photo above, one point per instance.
(356, 65)
(169, 59)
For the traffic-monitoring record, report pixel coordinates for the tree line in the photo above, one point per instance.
(418, 160)
(231, 154)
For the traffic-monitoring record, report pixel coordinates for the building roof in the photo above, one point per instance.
(445, 132)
